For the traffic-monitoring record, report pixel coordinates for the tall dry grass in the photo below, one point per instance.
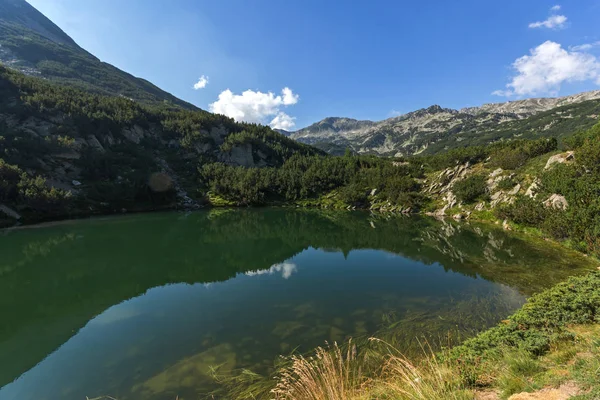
(331, 374)
(336, 374)
(428, 380)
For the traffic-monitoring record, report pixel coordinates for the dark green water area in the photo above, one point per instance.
(144, 306)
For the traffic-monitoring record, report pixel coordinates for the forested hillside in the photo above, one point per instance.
(66, 152)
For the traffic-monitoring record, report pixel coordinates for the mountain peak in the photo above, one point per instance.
(34, 45)
(20, 13)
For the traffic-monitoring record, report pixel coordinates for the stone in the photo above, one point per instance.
(93, 142)
(559, 159)
(556, 202)
(134, 134)
(515, 190)
(496, 173)
(10, 212)
(496, 196)
(532, 189)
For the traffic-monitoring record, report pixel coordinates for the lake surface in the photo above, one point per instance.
(143, 306)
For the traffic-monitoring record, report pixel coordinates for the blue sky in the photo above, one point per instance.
(359, 59)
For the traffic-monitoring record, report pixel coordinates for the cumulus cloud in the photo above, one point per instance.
(547, 67)
(553, 22)
(256, 107)
(283, 121)
(555, 8)
(286, 270)
(202, 82)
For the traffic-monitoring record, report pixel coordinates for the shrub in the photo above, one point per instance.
(509, 159)
(353, 194)
(506, 184)
(524, 210)
(34, 194)
(589, 155)
(470, 189)
(542, 320)
(10, 176)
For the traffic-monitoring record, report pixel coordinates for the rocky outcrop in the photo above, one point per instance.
(244, 156)
(559, 159)
(9, 212)
(184, 201)
(93, 142)
(556, 202)
(134, 134)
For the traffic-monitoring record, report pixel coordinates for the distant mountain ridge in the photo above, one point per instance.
(435, 128)
(34, 45)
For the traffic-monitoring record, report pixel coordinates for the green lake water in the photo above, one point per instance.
(142, 306)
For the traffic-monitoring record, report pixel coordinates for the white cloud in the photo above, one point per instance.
(553, 22)
(555, 8)
(584, 47)
(202, 82)
(283, 121)
(286, 270)
(256, 107)
(547, 67)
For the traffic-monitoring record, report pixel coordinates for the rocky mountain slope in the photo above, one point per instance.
(435, 128)
(34, 45)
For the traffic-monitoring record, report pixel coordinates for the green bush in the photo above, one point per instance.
(354, 195)
(506, 184)
(514, 154)
(524, 210)
(509, 159)
(470, 189)
(535, 326)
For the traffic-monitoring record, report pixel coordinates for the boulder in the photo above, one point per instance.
(515, 190)
(93, 142)
(496, 173)
(559, 159)
(9, 212)
(556, 202)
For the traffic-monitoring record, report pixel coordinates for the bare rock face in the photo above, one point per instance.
(93, 142)
(556, 202)
(244, 156)
(559, 159)
(415, 132)
(134, 134)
